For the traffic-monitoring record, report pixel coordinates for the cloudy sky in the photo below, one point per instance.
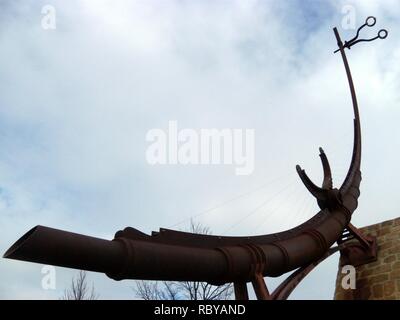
(77, 101)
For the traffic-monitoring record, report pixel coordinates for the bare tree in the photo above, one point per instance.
(205, 291)
(183, 290)
(155, 290)
(79, 289)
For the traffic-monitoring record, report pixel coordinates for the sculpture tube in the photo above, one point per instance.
(127, 258)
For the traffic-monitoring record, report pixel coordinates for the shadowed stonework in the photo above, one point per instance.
(380, 279)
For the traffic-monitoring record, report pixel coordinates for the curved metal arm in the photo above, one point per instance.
(356, 158)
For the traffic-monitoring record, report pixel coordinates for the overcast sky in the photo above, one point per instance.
(76, 103)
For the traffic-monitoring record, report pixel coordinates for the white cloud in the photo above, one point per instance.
(76, 103)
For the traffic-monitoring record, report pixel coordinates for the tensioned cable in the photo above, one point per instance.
(297, 197)
(259, 207)
(298, 214)
(269, 215)
(201, 213)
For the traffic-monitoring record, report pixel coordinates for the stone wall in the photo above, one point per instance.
(380, 279)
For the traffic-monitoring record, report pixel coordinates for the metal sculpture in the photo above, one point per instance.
(181, 256)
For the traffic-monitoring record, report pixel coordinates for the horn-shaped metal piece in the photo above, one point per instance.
(327, 182)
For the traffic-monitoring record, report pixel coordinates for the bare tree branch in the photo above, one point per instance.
(79, 289)
(185, 290)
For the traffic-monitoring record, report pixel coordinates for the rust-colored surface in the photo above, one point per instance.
(175, 255)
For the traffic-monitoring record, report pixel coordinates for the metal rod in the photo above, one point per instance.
(241, 292)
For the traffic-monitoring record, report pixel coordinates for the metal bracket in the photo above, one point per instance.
(363, 252)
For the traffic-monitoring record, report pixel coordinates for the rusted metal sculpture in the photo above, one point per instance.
(181, 256)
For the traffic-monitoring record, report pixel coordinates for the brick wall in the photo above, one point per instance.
(380, 279)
